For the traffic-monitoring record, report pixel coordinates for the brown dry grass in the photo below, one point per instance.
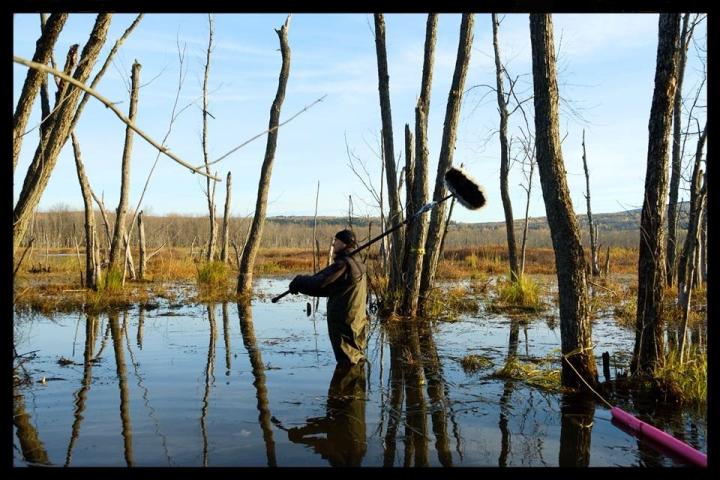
(55, 278)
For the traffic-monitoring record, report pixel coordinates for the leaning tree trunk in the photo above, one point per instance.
(226, 221)
(649, 344)
(447, 149)
(244, 284)
(575, 326)
(34, 78)
(119, 230)
(92, 254)
(395, 215)
(417, 230)
(593, 240)
(504, 154)
(676, 163)
(62, 119)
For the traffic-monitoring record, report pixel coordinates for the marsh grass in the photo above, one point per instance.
(472, 363)
(684, 382)
(449, 304)
(212, 274)
(214, 283)
(523, 295)
(479, 264)
(112, 281)
(626, 312)
(541, 374)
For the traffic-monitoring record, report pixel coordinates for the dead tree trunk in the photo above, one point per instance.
(226, 221)
(704, 243)
(593, 245)
(606, 268)
(504, 153)
(44, 91)
(691, 248)
(447, 149)
(210, 184)
(418, 184)
(92, 254)
(129, 264)
(698, 191)
(649, 344)
(244, 285)
(119, 230)
(143, 252)
(528, 191)
(33, 80)
(676, 164)
(395, 214)
(409, 205)
(575, 326)
(316, 245)
(58, 131)
(101, 205)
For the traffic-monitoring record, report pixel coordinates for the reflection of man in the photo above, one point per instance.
(344, 425)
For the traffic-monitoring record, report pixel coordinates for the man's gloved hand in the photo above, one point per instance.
(294, 285)
(294, 434)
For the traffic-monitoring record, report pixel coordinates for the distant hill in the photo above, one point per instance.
(616, 221)
(618, 229)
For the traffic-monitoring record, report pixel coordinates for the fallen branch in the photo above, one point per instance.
(156, 251)
(23, 256)
(604, 288)
(111, 106)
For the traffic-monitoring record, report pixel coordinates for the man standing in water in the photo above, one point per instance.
(344, 282)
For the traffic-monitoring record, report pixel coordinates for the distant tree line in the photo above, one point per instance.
(61, 227)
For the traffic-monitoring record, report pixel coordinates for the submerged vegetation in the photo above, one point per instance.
(472, 363)
(542, 373)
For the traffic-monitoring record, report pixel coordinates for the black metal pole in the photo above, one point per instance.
(385, 233)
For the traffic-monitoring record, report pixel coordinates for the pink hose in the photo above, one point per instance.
(680, 448)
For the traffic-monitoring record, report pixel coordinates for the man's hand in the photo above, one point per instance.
(294, 285)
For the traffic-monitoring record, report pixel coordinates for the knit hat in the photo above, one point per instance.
(347, 237)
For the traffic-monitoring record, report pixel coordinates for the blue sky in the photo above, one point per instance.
(606, 72)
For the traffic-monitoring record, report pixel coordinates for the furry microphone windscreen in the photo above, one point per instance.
(467, 191)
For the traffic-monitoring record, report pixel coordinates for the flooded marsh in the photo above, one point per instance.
(231, 385)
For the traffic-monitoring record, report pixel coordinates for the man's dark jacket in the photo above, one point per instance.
(344, 282)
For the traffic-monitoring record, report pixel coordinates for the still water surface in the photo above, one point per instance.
(227, 385)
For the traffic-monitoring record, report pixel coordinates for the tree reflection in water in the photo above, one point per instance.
(415, 363)
(258, 370)
(116, 333)
(91, 329)
(577, 411)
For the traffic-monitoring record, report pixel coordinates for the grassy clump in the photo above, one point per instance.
(472, 363)
(212, 274)
(626, 313)
(539, 374)
(112, 282)
(523, 294)
(684, 382)
(448, 305)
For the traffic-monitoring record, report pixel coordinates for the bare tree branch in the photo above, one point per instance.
(112, 107)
